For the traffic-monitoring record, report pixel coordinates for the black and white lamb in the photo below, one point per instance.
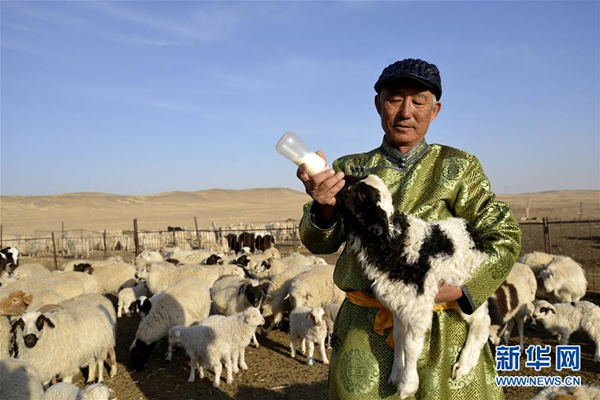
(406, 258)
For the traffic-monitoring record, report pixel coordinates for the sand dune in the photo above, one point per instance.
(99, 211)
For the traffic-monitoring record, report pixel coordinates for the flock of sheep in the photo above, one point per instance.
(211, 305)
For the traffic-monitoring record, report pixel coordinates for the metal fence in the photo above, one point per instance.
(577, 239)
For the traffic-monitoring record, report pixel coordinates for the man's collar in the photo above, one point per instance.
(404, 160)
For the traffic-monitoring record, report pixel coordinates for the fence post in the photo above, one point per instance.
(295, 239)
(547, 238)
(104, 240)
(0, 235)
(197, 233)
(54, 252)
(62, 235)
(136, 241)
(83, 252)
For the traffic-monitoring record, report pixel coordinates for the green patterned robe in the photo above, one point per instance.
(432, 182)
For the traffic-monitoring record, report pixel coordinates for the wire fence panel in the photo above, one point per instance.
(577, 239)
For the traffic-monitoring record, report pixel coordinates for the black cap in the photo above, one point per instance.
(419, 70)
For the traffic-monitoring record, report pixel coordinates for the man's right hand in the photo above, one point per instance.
(322, 187)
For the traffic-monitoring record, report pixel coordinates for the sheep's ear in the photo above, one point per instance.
(242, 289)
(552, 309)
(325, 315)
(48, 322)
(310, 315)
(16, 324)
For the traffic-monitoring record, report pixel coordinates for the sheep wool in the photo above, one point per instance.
(315, 288)
(308, 325)
(68, 391)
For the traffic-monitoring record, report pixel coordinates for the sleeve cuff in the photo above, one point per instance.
(319, 222)
(465, 302)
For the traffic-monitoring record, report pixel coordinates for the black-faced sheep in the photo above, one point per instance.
(406, 258)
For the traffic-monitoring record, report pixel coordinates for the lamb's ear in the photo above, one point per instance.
(242, 289)
(552, 309)
(309, 316)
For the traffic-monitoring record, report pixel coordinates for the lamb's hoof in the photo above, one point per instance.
(190, 380)
(326, 362)
(230, 380)
(457, 372)
(311, 361)
(113, 373)
(393, 380)
(405, 391)
(168, 357)
(244, 367)
(216, 384)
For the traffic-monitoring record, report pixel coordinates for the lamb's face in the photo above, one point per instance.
(548, 279)
(252, 317)
(544, 311)
(366, 205)
(317, 315)
(31, 327)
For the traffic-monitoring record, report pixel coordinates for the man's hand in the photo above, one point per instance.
(447, 293)
(322, 187)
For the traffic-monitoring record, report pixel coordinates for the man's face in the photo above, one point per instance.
(406, 111)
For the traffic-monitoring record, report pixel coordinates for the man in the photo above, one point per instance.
(432, 182)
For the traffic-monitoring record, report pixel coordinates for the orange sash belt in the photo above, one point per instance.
(384, 318)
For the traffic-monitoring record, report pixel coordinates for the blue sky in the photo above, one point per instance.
(148, 97)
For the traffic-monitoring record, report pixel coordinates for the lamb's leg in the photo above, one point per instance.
(235, 359)
(478, 331)
(193, 362)
(564, 337)
(243, 358)
(323, 353)
(119, 308)
(228, 369)
(398, 365)
(217, 368)
(112, 356)
(508, 331)
(311, 352)
(169, 356)
(413, 346)
(303, 346)
(293, 346)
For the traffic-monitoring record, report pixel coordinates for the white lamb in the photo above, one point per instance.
(181, 304)
(220, 343)
(68, 391)
(19, 381)
(536, 260)
(315, 288)
(564, 279)
(391, 248)
(563, 319)
(308, 325)
(128, 296)
(61, 341)
(512, 302)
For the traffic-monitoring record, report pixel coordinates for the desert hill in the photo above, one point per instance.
(99, 211)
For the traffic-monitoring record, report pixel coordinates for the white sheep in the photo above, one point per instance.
(210, 346)
(331, 312)
(68, 391)
(277, 303)
(564, 279)
(19, 381)
(70, 265)
(563, 319)
(159, 278)
(308, 325)
(148, 256)
(90, 283)
(512, 301)
(301, 259)
(315, 288)
(114, 277)
(272, 252)
(270, 268)
(406, 258)
(536, 260)
(29, 271)
(64, 286)
(128, 296)
(181, 304)
(59, 342)
(583, 392)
